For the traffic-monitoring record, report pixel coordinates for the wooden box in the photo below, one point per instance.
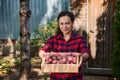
(62, 68)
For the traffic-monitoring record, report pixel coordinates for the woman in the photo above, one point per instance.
(66, 40)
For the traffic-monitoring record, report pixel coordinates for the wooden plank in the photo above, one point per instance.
(96, 71)
(60, 68)
(93, 77)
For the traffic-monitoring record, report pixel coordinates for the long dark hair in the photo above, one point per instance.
(61, 14)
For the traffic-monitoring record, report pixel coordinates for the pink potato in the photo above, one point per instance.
(54, 61)
(48, 61)
(62, 61)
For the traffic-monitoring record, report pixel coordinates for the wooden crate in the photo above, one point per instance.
(62, 68)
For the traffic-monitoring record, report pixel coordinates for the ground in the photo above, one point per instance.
(36, 73)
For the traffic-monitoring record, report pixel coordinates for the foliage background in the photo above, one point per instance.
(42, 33)
(116, 42)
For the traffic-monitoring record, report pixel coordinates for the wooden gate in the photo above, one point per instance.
(100, 19)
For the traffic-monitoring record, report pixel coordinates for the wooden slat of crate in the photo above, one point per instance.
(61, 68)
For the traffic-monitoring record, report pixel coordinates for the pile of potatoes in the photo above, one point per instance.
(60, 58)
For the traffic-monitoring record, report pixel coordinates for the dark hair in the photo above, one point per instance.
(64, 13)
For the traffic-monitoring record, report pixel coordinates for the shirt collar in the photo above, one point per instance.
(73, 35)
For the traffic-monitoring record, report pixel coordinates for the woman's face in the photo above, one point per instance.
(65, 24)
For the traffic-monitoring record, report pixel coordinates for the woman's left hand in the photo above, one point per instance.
(85, 57)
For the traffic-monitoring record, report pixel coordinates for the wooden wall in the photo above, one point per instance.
(94, 18)
(79, 8)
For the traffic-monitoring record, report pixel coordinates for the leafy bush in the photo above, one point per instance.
(4, 67)
(7, 64)
(116, 42)
(42, 33)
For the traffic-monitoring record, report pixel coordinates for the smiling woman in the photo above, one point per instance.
(66, 40)
(65, 25)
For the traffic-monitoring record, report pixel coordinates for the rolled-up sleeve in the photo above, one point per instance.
(84, 46)
(48, 46)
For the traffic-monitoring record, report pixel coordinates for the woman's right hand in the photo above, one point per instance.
(41, 53)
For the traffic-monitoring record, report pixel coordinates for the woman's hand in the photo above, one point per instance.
(85, 57)
(41, 53)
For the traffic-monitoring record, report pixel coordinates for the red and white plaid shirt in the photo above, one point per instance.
(76, 43)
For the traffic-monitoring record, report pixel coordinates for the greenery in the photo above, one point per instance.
(7, 64)
(42, 33)
(116, 42)
(4, 67)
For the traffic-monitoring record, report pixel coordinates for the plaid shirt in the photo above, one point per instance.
(76, 43)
